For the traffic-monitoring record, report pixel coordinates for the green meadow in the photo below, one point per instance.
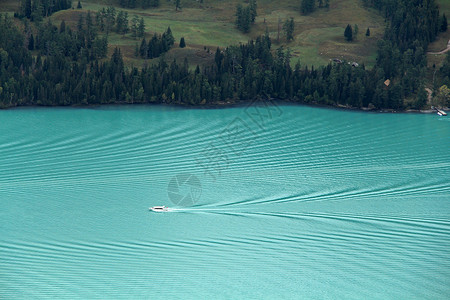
(319, 37)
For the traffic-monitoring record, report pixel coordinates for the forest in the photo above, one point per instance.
(46, 64)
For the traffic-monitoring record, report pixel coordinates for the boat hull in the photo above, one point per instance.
(159, 209)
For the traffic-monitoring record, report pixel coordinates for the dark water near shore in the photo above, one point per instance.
(276, 202)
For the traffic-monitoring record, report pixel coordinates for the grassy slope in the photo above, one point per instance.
(9, 5)
(318, 37)
(440, 43)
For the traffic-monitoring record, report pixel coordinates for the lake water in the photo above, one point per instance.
(269, 202)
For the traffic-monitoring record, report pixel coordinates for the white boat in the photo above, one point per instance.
(159, 208)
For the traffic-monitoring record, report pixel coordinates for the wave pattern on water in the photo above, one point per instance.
(320, 203)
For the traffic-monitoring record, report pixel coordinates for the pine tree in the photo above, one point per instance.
(136, 51)
(154, 3)
(145, 4)
(119, 22)
(307, 6)
(243, 18)
(168, 39)
(348, 33)
(28, 8)
(91, 28)
(79, 5)
(143, 49)
(253, 12)
(246, 19)
(141, 28)
(62, 27)
(368, 32)
(131, 3)
(288, 28)
(177, 5)
(444, 23)
(122, 22)
(110, 16)
(182, 43)
(134, 26)
(239, 9)
(31, 42)
(126, 27)
(80, 24)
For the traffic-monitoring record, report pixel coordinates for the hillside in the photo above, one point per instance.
(82, 55)
(441, 42)
(318, 37)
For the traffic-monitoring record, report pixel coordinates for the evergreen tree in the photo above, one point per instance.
(62, 27)
(182, 43)
(28, 8)
(90, 27)
(143, 49)
(243, 18)
(444, 23)
(110, 19)
(368, 32)
(141, 28)
(126, 27)
(288, 28)
(79, 5)
(150, 3)
(122, 22)
(145, 4)
(136, 51)
(168, 39)
(246, 19)
(153, 3)
(177, 5)
(239, 9)
(307, 6)
(421, 98)
(37, 12)
(348, 33)
(31, 42)
(134, 26)
(80, 24)
(253, 12)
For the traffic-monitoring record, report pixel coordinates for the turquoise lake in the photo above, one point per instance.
(269, 202)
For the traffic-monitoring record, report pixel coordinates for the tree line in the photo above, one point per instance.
(138, 3)
(309, 6)
(37, 9)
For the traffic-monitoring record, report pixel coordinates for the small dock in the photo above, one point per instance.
(439, 111)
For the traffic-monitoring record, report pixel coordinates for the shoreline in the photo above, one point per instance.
(232, 104)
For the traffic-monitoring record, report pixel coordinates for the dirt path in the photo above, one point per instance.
(430, 94)
(443, 51)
